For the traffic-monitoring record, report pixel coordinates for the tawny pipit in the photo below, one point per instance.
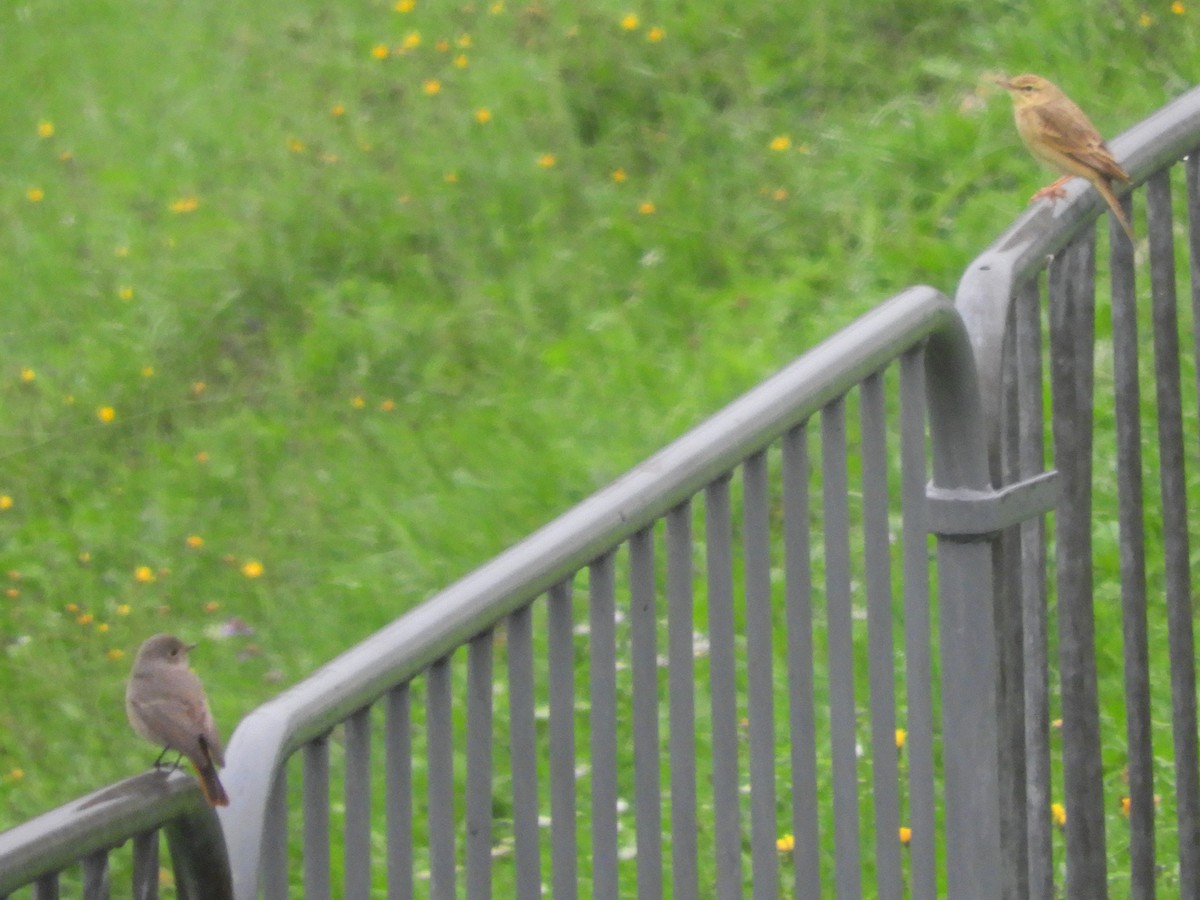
(165, 704)
(1058, 133)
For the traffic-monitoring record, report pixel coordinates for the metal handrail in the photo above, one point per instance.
(270, 734)
(107, 818)
(987, 286)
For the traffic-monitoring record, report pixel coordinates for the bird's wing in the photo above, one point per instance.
(178, 724)
(1075, 137)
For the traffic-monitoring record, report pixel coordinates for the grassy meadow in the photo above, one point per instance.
(311, 308)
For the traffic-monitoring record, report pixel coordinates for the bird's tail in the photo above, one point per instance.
(206, 772)
(1114, 204)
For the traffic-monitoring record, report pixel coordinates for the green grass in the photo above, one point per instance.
(387, 342)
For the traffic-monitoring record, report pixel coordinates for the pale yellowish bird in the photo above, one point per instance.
(1058, 133)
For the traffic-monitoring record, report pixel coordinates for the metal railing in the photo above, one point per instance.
(653, 692)
(1017, 335)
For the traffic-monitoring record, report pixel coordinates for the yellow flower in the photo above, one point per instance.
(85, 619)
(387, 405)
(358, 402)
(337, 110)
(6, 502)
(431, 87)
(483, 115)
(404, 6)
(1058, 814)
(647, 208)
(84, 558)
(901, 738)
(442, 45)
(629, 22)
(27, 374)
(496, 8)
(450, 178)
(106, 414)
(121, 252)
(198, 388)
(781, 143)
(184, 205)
(905, 835)
(202, 456)
(124, 609)
(619, 175)
(125, 293)
(144, 574)
(464, 41)
(72, 608)
(786, 843)
(252, 568)
(45, 129)
(102, 627)
(147, 371)
(295, 145)
(411, 41)
(35, 195)
(194, 541)
(779, 195)
(211, 606)
(115, 654)
(1145, 20)
(15, 774)
(547, 160)
(461, 61)
(1178, 8)
(1125, 805)
(380, 51)
(655, 34)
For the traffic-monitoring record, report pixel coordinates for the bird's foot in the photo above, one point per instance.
(1052, 191)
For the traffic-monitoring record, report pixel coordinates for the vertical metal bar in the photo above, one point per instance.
(877, 558)
(95, 876)
(479, 766)
(145, 866)
(806, 857)
(316, 818)
(1131, 522)
(564, 849)
(275, 840)
(603, 673)
(1010, 641)
(439, 748)
(760, 710)
(1034, 628)
(718, 530)
(966, 631)
(918, 633)
(398, 804)
(524, 755)
(357, 861)
(842, 717)
(681, 680)
(643, 626)
(1173, 484)
(46, 887)
(1072, 297)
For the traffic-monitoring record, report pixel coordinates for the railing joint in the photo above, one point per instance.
(969, 514)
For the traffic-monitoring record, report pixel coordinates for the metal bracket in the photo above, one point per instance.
(971, 514)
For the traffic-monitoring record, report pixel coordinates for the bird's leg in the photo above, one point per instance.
(1053, 191)
(158, 762)
(174, 765)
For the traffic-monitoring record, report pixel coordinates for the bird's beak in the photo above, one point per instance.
(1004, 83)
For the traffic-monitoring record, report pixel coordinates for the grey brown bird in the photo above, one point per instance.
(1058, 133)
(165, 703)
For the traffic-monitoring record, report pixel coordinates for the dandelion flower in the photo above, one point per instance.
(901, 738)
(404, 6)
(45, 129)
(121, 251)
(147, 371)
(106, 414)
(431, 87)
(102, 627)
(124, 609)
(1145, 20)
(211, 606)
(184, 205)
(1125, 806)
(387, 405)
(252, 568)
(72, 608)
(202, 456)
(1058, 814)
(781, 143)
(144, 574)
(905, 835)
(27, 374)
(619, 176)
(496, 8)
(450, 178)
(464, 41)
(547, 160)
(786, 843)
(337, 110)
(411, 41)
(461, 61)
(198, 388)
(358, 402)
(194, 541)
(295, 145)
(647, 208)
(442, 46)
(115, 654)
(630, 22)
(1178, 8)
(35, 195)
(483, 115)
(85, 619)
(380, 51)
(655, 34)
(15, 774)
(125, 293)
(6, 502)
